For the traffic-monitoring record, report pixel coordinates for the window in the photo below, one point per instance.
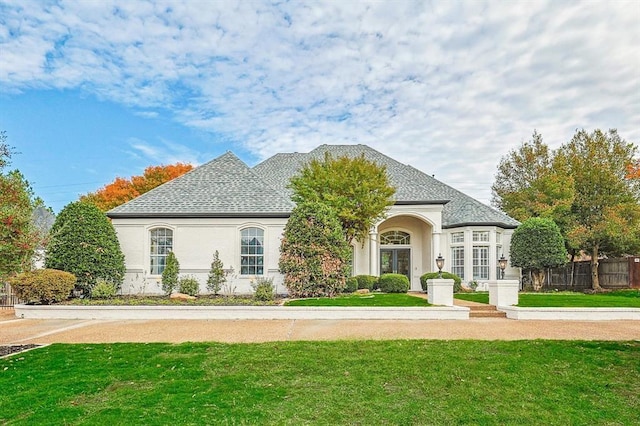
(252, 251)
(480, 262)
(457, 261)
(160, 246)
(481, 236)
(457, 237)
(395, 237)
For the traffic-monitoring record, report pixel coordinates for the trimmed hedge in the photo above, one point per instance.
(189, 285)
(351, 285)
(393, 283)
(457, 281)
(367, 281)
(43, 286)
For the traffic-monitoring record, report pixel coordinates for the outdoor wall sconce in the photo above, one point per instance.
(440, 264)
(503, 265)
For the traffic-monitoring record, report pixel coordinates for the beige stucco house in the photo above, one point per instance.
(240, 211)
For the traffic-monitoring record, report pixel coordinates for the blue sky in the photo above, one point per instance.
(97, 89)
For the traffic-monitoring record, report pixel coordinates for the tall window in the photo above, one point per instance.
(457, 261)
(160, 246)
(395, 237)
(480, 262)
(252, 251)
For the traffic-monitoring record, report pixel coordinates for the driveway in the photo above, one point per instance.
(23, 331)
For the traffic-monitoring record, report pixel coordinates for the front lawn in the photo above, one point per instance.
(347, 382)
(202, 300)
(370, 299)
(614, 299)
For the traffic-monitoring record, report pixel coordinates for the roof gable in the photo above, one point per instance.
(222, 187)
(412, 185)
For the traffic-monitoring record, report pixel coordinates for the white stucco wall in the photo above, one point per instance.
(196, 239)
(194, 242)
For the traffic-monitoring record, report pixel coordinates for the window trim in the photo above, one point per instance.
(262, 255)
(148, 257)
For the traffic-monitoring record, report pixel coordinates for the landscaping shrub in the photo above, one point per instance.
(217, 275)
(351, 285)
(103, 290)
(457, 281)
(170, 274)
(263, 289)
(367, 281)
(393, 283)
(314, 256)
(43, 286)
(189, 285)
(84, 243)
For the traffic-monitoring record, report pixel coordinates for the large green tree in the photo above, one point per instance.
(606, 207)
(19, 237)
(314, 256)
(84, 242)
(538, 244)
(357, 189)
(587, 187)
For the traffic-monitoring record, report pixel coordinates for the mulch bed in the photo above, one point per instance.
(14, 349)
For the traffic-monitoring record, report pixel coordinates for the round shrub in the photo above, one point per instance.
(352, 285)
(367, 281)
(393, 283)
(103, 290)
(84, 243)
(189, 285)
(43, 286)
(263, 289)
(457, 281)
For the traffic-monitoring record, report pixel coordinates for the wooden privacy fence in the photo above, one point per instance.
(576, 276)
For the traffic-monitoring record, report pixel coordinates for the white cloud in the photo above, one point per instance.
(448, 87)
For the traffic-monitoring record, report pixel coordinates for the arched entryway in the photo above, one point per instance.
(395, 253)
(405, 247)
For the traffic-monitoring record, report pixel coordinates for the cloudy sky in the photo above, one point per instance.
(91, 90)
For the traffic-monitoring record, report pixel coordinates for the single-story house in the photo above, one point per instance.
(241, 212)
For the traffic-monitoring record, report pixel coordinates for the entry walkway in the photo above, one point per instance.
(23, 331)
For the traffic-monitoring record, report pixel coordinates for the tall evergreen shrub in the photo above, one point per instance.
(84, 243)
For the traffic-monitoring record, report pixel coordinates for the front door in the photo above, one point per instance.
(395, 261)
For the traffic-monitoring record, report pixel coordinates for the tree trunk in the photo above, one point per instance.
(538, 279)
(595, 282)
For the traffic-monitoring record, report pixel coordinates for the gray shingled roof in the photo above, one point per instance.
(222, 187)
(412, 185)
(227, 187)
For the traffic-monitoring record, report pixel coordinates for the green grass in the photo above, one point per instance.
(619, 299)
(348, 382)
(371, 299)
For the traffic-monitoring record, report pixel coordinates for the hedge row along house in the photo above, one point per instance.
(240, 211)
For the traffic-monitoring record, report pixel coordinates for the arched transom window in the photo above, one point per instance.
(160, 245)
(252, 251)
(395, 238)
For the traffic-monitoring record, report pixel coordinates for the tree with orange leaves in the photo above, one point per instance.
(122, 190)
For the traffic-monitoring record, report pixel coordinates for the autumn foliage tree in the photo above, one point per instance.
(122, 190)
(19, 237)
(588, 187)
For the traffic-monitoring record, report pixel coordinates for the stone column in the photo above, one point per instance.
(373, 252)
(503, 292)
(440, 292)
(435, 243)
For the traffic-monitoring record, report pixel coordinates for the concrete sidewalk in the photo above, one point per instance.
(22, 331)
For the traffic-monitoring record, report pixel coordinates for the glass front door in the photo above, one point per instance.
(395, 261)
